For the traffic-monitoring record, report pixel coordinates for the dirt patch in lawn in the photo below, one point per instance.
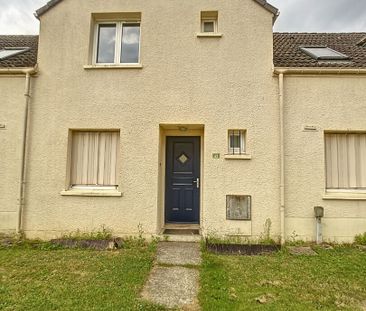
(242, 249)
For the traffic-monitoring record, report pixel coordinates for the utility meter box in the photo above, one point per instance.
(319, 211)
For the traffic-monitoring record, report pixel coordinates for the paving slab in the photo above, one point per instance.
(179, 253)
(173, 287)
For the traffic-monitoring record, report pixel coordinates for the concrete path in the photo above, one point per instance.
(174, 281)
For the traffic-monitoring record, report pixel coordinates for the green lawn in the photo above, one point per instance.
(36, 279)
(64, 279)
(333, 280)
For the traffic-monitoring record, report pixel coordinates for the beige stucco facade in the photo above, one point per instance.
(330, 103)
(208, 85)
(12, 110)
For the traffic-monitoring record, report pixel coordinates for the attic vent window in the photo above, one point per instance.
(12, 51)
(323, 53)
(209, 21)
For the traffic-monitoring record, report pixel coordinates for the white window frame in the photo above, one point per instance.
(242, 135)
(118, 44)
(207, 20)
(84, 187)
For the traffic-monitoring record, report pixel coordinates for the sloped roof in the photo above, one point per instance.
(52, 3)
(25, 59)
(287, 51)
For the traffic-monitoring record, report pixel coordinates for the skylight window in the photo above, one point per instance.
(362, 42)
(9, 52)
(323, 53)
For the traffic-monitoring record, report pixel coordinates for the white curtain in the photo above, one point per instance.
(94, 158)
(345, 161)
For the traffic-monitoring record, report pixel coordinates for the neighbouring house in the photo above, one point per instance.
(170, 115)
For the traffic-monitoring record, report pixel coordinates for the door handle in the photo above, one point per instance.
(197, 182)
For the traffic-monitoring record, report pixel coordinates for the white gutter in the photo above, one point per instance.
(319, 71)
(22, 182)
(19, 70)
(282, 159)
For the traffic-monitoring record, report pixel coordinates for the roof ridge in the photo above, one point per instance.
(50, 4)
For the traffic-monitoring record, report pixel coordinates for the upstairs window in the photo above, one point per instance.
(323, 53)
(209, 21)
(345, 160)
(117, 42)
(236, 142)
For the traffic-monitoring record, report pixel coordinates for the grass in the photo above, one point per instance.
(64, 279)
(333, 280)
(100, 234)
(361, 239)
(40, 277)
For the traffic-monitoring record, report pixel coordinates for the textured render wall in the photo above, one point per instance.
(331, 103)
(12, 104)
(221, 83)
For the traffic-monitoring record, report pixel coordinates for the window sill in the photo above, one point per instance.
(345, 195)
(112, 66)
(91, 193)
(237, 156)
(209, 35)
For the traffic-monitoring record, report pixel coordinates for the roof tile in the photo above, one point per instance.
(26, 59)
(287, 53)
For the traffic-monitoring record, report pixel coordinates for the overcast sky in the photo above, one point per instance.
(16, 16)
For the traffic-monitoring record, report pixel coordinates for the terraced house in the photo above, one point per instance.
(167, 116)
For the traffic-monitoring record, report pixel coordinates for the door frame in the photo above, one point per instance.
(174, 130)
(196, 140)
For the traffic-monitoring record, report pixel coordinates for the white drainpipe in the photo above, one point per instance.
(282, 161)
(22, 182)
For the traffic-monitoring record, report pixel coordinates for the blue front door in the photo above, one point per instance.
(182, 193)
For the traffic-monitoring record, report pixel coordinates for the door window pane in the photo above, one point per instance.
(130, 43)
(106, 43)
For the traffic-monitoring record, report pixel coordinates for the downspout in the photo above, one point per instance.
(282, 161)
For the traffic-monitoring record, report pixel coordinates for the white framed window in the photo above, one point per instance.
(236, 141)
(345, 158)
(117, 42)
(93, 160)
(209, 21)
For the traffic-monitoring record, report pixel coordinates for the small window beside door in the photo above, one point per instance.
(236, 142)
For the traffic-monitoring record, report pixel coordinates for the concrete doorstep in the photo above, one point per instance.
(171, 283)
